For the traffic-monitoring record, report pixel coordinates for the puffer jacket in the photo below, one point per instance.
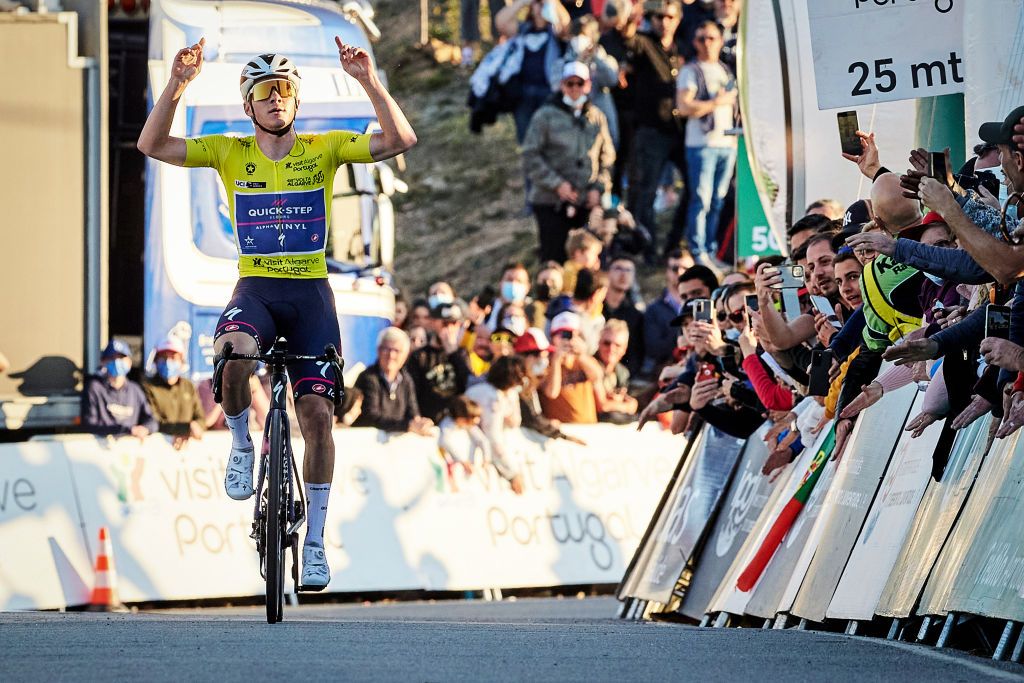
(560, 146)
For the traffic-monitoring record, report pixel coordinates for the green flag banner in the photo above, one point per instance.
(753, 236)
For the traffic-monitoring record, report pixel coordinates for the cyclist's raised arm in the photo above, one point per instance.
(396, 134)
(155, 140)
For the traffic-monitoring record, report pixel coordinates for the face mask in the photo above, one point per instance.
(118, 367)
(1004, 185)
(515, 324)
(732, 334)
(934, 278)
(539, 366)
(513, 291)
(580, 44)
(168, 369)
(548, 13)
(435, 300)
(574, 103)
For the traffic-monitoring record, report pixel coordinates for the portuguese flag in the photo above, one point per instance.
(748, 579)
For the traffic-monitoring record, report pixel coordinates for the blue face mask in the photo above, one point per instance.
(118, 367)
(732, 334)
(435, 300)
(514, 291)
(168, 368)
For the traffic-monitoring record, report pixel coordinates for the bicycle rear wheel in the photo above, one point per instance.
(275, 519)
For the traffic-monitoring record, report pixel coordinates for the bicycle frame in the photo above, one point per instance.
(278, 466)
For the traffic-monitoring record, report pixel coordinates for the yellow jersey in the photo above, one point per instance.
(280, 210)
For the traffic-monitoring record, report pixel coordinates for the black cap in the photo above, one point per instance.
(450, 311)
(857, 212)
(1001, 132)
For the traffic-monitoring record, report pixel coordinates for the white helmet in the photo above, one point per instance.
(263, 67)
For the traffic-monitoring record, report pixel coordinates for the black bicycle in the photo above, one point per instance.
(277, 515)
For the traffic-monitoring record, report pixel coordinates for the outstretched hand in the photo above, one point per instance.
(354, 60)
(867, 161)
(912, 351)
(188, 62)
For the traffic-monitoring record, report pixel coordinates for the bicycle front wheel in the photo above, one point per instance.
(275, 518)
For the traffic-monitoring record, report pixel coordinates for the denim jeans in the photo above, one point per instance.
(653, 148)
(709, 173)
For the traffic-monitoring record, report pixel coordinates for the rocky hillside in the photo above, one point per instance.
(463, 217)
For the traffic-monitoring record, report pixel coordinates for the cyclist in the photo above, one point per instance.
(279, 186)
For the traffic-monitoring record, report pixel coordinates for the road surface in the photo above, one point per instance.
(525, 640)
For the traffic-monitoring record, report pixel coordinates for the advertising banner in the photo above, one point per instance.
(729, 598)
(396, 521)
(685, 519)
(793, 147)
(748, 494)
(45, 563)
(789, 563)
(990, 582)
(939, 508)
(856, 481)
(896, 63)
(995, 77)
(887, 524)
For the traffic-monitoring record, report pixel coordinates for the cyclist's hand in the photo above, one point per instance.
(354, 60)
(516, 483)
(140, 432)
(188, 62)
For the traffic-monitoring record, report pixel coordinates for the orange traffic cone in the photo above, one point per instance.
(104, 592)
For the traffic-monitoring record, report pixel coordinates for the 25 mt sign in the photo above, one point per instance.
(883, 77)
(909, 49)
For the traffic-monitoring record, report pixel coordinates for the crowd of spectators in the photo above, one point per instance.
(616, 104)
(925, 274)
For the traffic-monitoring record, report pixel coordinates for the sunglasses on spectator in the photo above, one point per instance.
(502, 338)
(735, 316)
(264, 89)
(565, 334)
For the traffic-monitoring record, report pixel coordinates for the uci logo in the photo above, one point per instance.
(319, 388)
(250, 168)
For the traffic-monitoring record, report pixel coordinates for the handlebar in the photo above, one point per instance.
(278, 359)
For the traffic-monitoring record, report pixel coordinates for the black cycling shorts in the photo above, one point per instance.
(301, 311)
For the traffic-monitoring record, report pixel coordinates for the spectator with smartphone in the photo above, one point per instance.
(659, 334)
(569, 390)
(706, 95)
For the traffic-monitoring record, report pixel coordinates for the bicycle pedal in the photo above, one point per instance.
(310, 589)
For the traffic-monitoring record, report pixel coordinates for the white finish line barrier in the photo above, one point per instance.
(877, 538)
(395, 520)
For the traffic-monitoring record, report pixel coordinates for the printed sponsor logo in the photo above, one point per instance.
(250, 184)
(305, 164)
(250, 168)
(315, 237)
(231, 328)
(319, 388)
(316, 179)
(230, 315)
(276, 223)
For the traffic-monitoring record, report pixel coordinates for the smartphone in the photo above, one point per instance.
(792, 277)
(701, 309)
(848, 128)
(938, 167)
(706, 371)
(751, 302)
(997, 321)
(824, 306)
(821, 364)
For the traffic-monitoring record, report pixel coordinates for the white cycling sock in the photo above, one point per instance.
(239, 426)
(316, 512)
